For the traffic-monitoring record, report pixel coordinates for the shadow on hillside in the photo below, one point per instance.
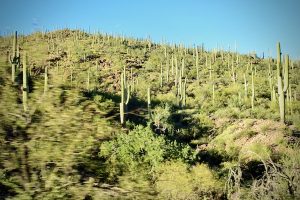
(135, 111)
(210, 157)
(30, 82)
(93, 166)
(183, 128)
(190, 128)
(253, 170)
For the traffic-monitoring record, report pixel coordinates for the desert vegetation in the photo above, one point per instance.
(98, 116)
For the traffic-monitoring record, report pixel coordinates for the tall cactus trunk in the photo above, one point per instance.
(246, 86)
(125, 93)
(213, 93)
(161, 75)
(15, 44)
(253, 91)
(7, 57)
(149, 102)
(25, 89)
(88, 80)
(270, 80)
(182, 68)
(176, 73)
(46, 80)
(13, 72)
(71, 77)
(14, 58)
(210, 70)
(167, 72)
(281, 100)
(197, 66)
(172, 65)
(184, 93)
(283, 82)
(122, 114)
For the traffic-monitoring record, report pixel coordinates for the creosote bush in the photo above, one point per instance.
(177, 181)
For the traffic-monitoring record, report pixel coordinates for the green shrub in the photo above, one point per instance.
(176, 181)
(205, 122)
(256, 151)
(161, 117)
(140, 149)
(205, 183)
(179, 151)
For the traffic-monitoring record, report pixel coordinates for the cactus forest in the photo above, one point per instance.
(91, 115)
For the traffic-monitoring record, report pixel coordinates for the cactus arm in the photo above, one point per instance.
(9, 57)
(286, 74)
(278, 59)
(127, 94)
(122, 88)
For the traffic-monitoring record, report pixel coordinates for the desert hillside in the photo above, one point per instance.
(99, 116)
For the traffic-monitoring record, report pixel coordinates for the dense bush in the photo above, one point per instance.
(138, 150)
(177, 181)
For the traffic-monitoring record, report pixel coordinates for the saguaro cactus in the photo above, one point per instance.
(25, 89)
(253, 91)
(179, 88)
(167, 72)
(172, 64)
(13, 72)
(213, 93)
(289, 99)
(233, 73)
(183, 68)
(71, 76)
(246, 86)
(161, 75)
(46, 80)
(122, 119)
(15, 57)
(270, 80)
(183, 91)
(122, 116)
(176, 73)
(210, 70)
(88, 80)
(149, 102)
(125, 93)
(283, 82)
(197, 63)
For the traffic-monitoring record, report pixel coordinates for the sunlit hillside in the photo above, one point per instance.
(97, 116)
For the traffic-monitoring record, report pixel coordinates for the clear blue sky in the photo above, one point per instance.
(253, 24)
